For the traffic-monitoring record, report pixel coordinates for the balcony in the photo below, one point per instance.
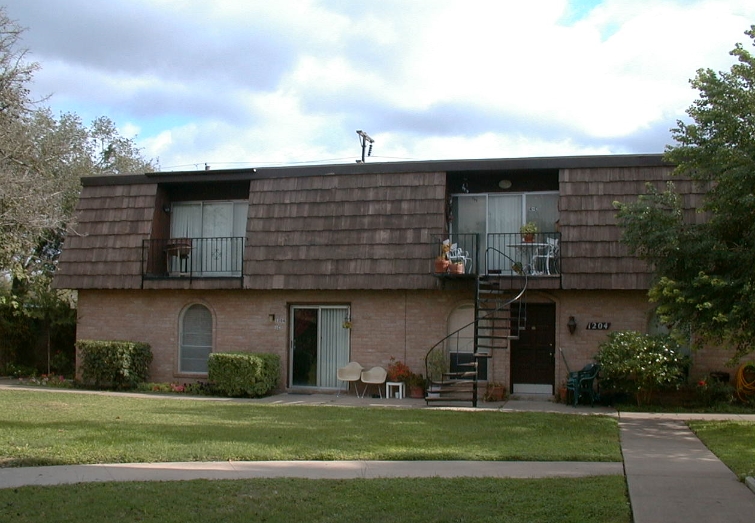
(536, 255)
(191, 258)
(505, 254)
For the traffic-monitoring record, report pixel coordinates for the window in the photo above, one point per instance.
(498, 217)
(504, 213)
(216, 231)
(195, 340)
(461, 346)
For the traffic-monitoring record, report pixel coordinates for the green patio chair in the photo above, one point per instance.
(582, 383)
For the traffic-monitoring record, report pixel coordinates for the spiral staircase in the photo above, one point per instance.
(494, 325)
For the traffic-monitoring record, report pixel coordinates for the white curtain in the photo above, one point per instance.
(212, 225)
(504, 216)
(334, 345)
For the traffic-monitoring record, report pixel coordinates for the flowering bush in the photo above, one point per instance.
(711, 391)
(640, 364)
(398, 371)
(47, 380)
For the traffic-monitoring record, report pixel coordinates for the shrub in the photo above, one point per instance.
(712, 391)
(640, 364)
(114, 364)
(244, 374)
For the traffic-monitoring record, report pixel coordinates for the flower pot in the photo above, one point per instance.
(457, 268)
(415, 391)
(528, 237)
(442, 266)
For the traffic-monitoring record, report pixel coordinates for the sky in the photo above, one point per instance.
(246, 83)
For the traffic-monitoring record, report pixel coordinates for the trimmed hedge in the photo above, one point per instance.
(244, 374)
(114, 364)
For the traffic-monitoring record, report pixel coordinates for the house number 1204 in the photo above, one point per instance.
(598, 325)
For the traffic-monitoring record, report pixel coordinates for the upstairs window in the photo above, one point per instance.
(209, 237)
(497, 218)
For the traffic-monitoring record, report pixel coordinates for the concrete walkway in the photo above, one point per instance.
(672, 477)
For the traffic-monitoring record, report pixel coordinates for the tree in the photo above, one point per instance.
(704, 278)
(42, 159)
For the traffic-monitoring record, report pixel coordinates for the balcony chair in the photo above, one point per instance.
(374, 376)
(582, 383)
(352, 372)
(549, 254)
(456, 255)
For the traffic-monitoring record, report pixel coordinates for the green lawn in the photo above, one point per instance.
(731, 441)
(45, 428)
(580, 500)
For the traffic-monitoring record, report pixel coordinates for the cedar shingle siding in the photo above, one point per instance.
(356, 227)
(344, 231)
(106, 250)
(592, 256)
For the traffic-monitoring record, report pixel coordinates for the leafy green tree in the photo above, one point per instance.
(42, 159)
(705, 282)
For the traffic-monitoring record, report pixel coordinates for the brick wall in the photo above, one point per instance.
(385, 324)
(402, 324)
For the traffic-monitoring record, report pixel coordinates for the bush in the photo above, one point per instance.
(114, 364)
(244, 374)
(640, 364)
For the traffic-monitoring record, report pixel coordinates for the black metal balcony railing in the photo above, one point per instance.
(193, 257)
(509, 254)
(536, 255)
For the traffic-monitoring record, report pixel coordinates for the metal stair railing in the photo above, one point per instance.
(437, 358)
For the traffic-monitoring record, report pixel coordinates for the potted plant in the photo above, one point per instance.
(398, 371)
(416, 386)
(494, 391)
(528, 231)
(456, 268)
(517, 268)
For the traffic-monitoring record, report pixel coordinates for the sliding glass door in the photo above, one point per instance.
(320, 344)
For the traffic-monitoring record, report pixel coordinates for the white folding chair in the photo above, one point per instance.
(456, 255)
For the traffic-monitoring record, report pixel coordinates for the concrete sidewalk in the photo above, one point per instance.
(68, 474)
(672, 477)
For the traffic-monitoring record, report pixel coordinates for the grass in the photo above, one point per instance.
(46, 428)
(731, 441)
(584, 500)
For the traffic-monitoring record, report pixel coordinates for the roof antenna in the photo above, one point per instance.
(364, 138)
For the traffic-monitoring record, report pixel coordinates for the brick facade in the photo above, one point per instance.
(385, 324)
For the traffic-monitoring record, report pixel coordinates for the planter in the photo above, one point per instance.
(456, 268)
(528, 237)
(415, 391)
(442, 266)
(497, 393)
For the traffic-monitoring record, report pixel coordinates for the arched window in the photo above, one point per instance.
(195, 339)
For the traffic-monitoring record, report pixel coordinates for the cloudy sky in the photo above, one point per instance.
(237, 83)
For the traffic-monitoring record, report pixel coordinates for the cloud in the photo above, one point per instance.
(234, 81)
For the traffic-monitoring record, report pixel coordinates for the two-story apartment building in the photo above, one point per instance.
(335, 263)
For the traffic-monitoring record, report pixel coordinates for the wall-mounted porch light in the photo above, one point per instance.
(571, 325)
(166, 209)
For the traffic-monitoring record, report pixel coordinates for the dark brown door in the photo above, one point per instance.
(533, 362)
